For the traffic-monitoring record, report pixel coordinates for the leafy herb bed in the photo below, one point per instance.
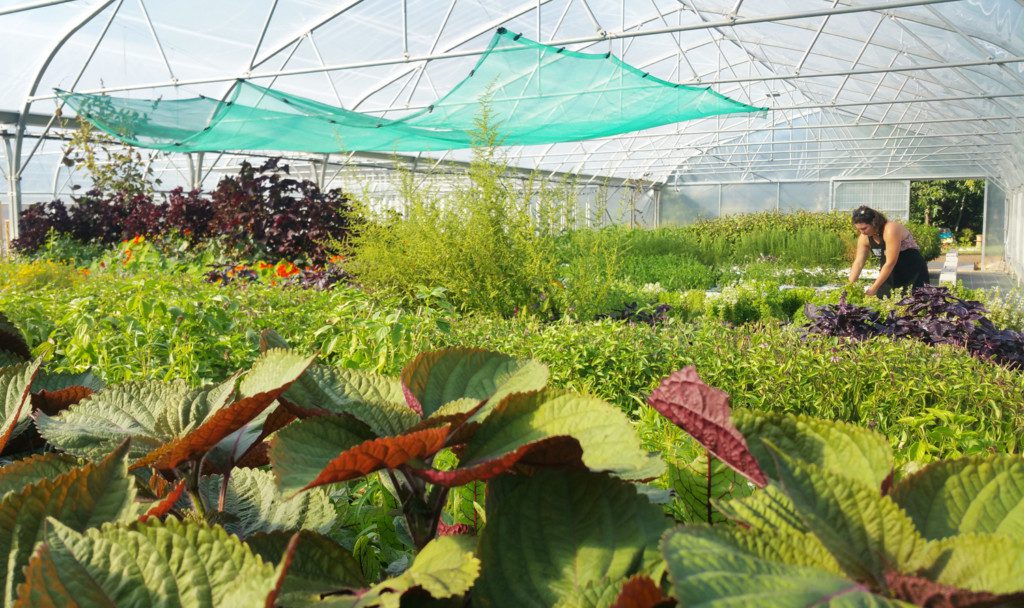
(930, 314)
(155, 493)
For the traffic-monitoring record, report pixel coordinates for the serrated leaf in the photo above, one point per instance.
(374, 399)
(551, 535)
(866, 532)
(82, 498)
(446, 567)
(256, 505)
(698, 489)
(775, 532)
(21, 473)
(269, 377)
(977, 562)
(839, 447)
(155, 564)
(7, 359)
(55, 381)
(635, 592)
(139, 411)
(641, 592)
(12, 341)
(319, 565)
(707, 569)
(435, 378)
(15, 385)
(300, 451)
(703, 412)
(376, 454)
(921, 591)
(163, 506)
(983, 494)
(52, 403)
(595, 594)
(537, 425)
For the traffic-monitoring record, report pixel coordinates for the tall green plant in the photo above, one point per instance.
(488, 242)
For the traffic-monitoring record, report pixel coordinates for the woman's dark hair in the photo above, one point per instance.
(867, 215)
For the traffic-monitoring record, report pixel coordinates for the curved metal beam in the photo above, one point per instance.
(15, 203)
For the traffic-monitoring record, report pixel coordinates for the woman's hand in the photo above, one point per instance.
(871, 290)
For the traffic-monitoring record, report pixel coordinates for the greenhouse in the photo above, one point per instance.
(574, 303)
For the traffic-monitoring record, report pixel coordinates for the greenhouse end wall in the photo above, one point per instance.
(687, 203)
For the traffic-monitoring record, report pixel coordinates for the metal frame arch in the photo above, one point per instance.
(19, 137)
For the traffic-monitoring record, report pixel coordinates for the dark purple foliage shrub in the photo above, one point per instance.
(263, 211)
(260, 213)
(145, 217)
(319, 277)
(189, 213)
(36, 222)
(844, 320)
(930, 314)
(633, 313)
(98, 218)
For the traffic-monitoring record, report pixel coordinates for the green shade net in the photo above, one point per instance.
(534, 94)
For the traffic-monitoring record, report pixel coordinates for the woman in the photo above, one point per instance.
(902, 263)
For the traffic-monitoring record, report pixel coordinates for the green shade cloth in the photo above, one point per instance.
(535, 94)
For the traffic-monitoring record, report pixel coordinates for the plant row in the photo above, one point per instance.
(166, 326)
(258, 213)
(929, 314)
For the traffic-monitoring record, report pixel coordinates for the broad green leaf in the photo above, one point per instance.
(525, 422)
(838, 447)
(155, 564)
(382, 453)
(375, 400)
(12, 341)
(698, 488)
(270, 376)
(446, 567)
(7, 359)
(21, 473)
(435, 378)
(551, 535)
(82, 498)
(707, 569)
(635, 592)
(256, 506)
(319, 565)
(595, 594)
(775, 531)
(301, 450)
(703, 411)
(978, 562)
(983, 494)
(55, 381)
(15, 384)
(866, 532)
(139, 411)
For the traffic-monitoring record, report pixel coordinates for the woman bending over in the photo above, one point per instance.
(902, 264)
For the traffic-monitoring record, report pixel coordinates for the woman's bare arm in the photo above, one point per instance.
(892, 237)
(860, 258)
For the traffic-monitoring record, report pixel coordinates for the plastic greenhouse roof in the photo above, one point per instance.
(886, 89)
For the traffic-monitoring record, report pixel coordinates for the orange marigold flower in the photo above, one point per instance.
(138, 239)
(334, 259)
(263, 265)
(239, 267)
(286, 269)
